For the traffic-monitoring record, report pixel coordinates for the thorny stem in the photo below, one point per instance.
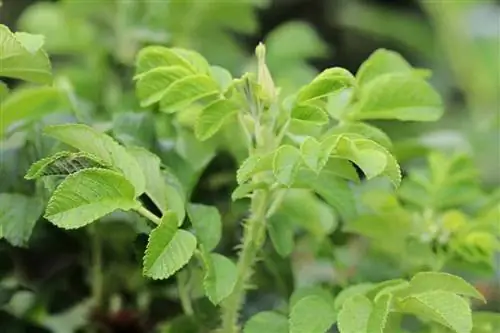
(253, 238)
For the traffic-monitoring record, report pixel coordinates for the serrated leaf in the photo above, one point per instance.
(398, 96)
(88, 195)
(353, 290)
(432, 281)
(164, 257)
(311, 152)
(18, 215)
(212, 117)
(286, 163)
(103, 147)
(22, 58)
(164, 195)
(379, 317)
(281, 233)
(443, 307)
(245, 190)
(29, 104)
(135, 129)
(354, 315)
(207, 223)
(152, 57)
(63, 163)
(300, 293)
(310, 114)
(327, 82)
(220, 277)
(153, 84)
(381, 62)
(337, 193)
(267, 321)
(366, 130)
(222, 76)
(311, 314)
(252, 165)
(186, 91)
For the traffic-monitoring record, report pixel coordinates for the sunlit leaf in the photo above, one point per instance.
(311, 314)
(212, 118)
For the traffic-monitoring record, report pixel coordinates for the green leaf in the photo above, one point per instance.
(433, 281)
(311, 314)
(18, 215)
(354, 315)
(135, 129)
(379, 317)
(63, 163)
(337, 193)
(4, 91)
(245, 190)
(21, 57)
(485, 322)
(312, 154)
(310, 114)
(207, 223)
(152, 57)
(29, 104)
(267, 321)
(88, 195)
(212, 118)
(352, 290)
(381, 62)
(186, 91)
(103, 147)
(222, 76)
(152, 85)
(168, 249)
(164, 195)
(365, 130)
(302, 292)
(281, 233)
(326, 83)
(398, 96)
(220, 277)
(443, 307)
(252, 165)
(286, 163)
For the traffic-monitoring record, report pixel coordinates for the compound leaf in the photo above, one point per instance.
(88, 195)
(354, 315)
(153, 84)
(103, 147)
(63, 163)
(186, 91)
(379, 317)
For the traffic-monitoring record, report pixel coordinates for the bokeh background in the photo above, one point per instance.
(92, 44)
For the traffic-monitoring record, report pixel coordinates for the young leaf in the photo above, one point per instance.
(381, 62)
(186, 91)
(281, 233)
(164, 195)
(398, 96)
(220, 277)
(21, 57)
(245, 190)
(88, 195)
(379, 317)
(164, 255)
(222, 76)
(327, 82)
(286, 163)
(431, 281)
(354, 315)
(152, 57)
(311, 314)
(207, 223)
(63, 163)
(367, 131)
(337, 193)
(352, 290)
(309, 113)
(267, 321)
(18, 215)
(153, 84)
(443, 307)
(212, 118)
(252, 165)
(103, 147)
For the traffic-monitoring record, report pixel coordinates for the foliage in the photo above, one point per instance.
(332, 226)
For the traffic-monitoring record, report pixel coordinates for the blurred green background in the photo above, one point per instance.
(92, 44)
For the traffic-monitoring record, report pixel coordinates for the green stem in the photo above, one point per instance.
(147, 214)
(182, 281)
(253, 238)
